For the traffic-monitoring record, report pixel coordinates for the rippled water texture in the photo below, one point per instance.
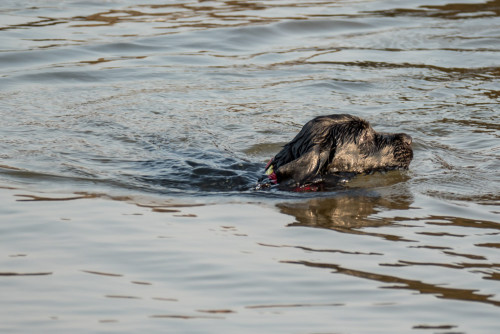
(132, 136)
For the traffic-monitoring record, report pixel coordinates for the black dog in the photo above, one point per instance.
(336, 144)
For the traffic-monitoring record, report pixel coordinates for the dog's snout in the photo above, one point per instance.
(406, 138)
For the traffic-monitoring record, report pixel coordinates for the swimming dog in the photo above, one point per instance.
(334, 145)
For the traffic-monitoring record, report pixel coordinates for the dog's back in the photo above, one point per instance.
(317, 131)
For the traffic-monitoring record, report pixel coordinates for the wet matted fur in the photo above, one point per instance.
(329, 145)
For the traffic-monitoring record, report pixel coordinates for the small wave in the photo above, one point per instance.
(200, 171)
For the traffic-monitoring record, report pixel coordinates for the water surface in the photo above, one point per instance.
(132, 136)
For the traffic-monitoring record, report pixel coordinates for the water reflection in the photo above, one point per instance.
(401, 283)
(338, 213)
(24, 274)
(356, 206)
(347, 214)
(450, 11)
(238, 13)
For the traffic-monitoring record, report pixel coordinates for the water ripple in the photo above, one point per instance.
(131, 134)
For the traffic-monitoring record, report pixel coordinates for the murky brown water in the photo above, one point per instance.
(131, 137)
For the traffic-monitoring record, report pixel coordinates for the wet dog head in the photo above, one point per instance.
(337, 144)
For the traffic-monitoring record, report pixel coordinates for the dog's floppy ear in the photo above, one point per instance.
(306, 167)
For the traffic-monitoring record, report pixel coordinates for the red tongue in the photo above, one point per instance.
(273, 177)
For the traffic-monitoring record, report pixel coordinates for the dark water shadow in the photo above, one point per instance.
(207, 173)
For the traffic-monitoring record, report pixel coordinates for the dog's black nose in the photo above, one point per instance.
(406, 138)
